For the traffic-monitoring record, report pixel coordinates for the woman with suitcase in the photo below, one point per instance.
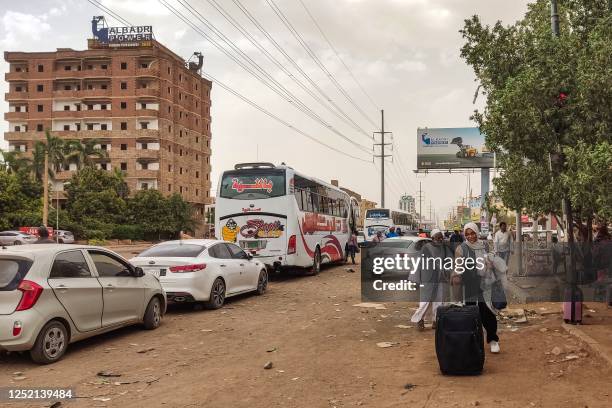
(468, 274)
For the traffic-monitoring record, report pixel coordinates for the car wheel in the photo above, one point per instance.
(153, 314)
(50, 344)
(217, 295)
(316, 263)
(17, 243)
(262, 282)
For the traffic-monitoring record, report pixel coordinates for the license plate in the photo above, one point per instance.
(162, 272)
(256, 244)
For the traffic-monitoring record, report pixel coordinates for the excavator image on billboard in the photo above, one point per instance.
(468, 151)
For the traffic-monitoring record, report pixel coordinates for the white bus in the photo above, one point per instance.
(284, 218)
(381, 219)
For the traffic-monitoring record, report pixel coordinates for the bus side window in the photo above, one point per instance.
(315, 199)
(299, 197)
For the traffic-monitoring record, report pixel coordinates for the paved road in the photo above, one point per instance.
(324, 354)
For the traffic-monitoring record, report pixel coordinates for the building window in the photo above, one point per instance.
(197, 139)
(180, 170)
(124, 65)
(103, 86)
(145, 186)
(144, 125)
(104, 126)
(143, 106)
(197, 157)
(168, 70)
(145, 166)
(144, 65)
(39, 88)
(181, 152)
(66, 127)
(180, 133)
(169, 168)
(124, 85)
(169, 128)
(168, 89)
(78, 126)
(196, 104)
(67, 87)
(180, 77)
(41, 68)
(181, 189)
(123, 105)
(66, 107)
(89, 86)
(17, 89)
(123, 145)
(124, 166)
(197, 174)
(67, 67)
(90, 126)
(103, 106)
(144, 146)
(123, 127)
(169, 185)
(90, 67)
(197, 192)
(196, 88)
(89, 107)
(39, 127)
(39, 108)
(104, 66)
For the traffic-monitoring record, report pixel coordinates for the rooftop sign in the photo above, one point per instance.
(134, 36)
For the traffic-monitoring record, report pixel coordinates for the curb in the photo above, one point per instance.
(593, 344)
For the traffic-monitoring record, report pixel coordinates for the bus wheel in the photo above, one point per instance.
(316, 263)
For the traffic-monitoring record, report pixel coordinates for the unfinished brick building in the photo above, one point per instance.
(149, 111)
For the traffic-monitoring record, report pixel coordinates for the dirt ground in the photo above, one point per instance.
(324, 354)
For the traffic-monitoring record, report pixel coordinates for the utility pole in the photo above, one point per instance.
(382, 156)
(45, 217)
(420, 205)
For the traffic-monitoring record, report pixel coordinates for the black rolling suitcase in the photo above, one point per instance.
(459, 340)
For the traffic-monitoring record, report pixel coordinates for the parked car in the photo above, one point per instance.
(361, 239)
(410, 246)
(52, 295)
(63, 237)
(203, 270)
(16, 238)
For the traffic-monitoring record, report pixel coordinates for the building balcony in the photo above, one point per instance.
(15, 115)
(145, 174)
(153, 92)
(147, 154)
(144, 72)
(93, 93)
(106, 113)
(62, 93)
(16, 76)
(63, 176)
(146, 113)
(67, 114)
(95, 73)
(23, 136)
(16, 95)
(63, 74)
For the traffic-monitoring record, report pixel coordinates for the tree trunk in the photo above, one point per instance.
(45, 217)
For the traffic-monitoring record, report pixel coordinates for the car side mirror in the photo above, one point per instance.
(249, 255)
(138, 272)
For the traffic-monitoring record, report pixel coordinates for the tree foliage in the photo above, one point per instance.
(547, 95)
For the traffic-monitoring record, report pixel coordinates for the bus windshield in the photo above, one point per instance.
(253, 184)
(377, 214)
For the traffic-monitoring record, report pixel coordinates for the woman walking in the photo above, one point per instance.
(468, 272)
(352, 246)
(434, 279)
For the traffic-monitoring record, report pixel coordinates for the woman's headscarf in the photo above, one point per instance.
(476, 245)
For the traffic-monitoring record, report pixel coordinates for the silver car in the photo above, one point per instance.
(63, 237)
(16, 238)
(53, 294)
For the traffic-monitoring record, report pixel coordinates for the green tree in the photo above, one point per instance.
(96, 201)
(20, 203)
(83, 153)
(544, 96)
(150, 210)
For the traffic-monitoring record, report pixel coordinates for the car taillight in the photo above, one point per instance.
(17, 328)
(187, 268)
(31, 293)
(292, 246)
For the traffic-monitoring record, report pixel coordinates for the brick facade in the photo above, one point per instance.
(143, 103)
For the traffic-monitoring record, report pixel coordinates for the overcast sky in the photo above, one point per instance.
(404, 53)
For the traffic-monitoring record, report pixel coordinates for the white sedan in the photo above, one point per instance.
(203, 270)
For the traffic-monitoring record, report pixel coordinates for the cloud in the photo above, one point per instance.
(411, 66)
(17, 26)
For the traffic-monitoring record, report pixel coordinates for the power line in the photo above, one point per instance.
(258, 107)
(314, 57)
(282, 92)
(109, 11)
(337, 111)
(273, 116)
(338, 55)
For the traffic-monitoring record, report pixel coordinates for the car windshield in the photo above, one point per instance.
(12, 271)
(174, 250)
(397, 243)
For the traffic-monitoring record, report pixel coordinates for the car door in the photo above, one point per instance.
(77, 289)
(228, 266)
(248, 270)
(7, 238)
(122, 293)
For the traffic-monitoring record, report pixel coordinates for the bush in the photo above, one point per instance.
(96, 242)
(94, 235)
(133, 232)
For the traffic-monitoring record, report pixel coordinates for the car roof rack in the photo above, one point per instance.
(254, 165)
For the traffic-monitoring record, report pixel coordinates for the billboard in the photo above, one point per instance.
(452, 148)
(136, 36)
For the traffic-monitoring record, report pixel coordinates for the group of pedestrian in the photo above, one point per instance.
(465, 279)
